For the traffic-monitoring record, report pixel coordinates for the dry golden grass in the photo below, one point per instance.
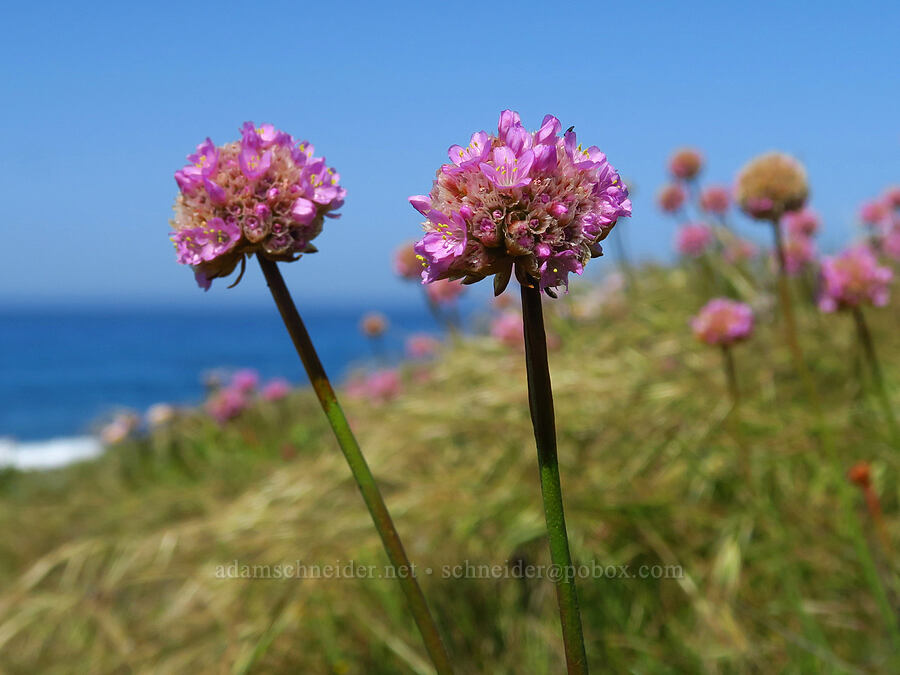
(110, 567)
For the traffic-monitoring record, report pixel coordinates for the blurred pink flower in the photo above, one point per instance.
(422, 346)
(671, 197)
(245, 380)
(799, 251)
(715, 199)
(874, 213)
(740, 250)
(890, 244)
(508, 329)
(373, 324)
(693, 240)
(276, 389)
(686, 163)
(226, 404)
(723, 322)
(852, 278)
(407, 263)
(892, 197)
(443, 291)
(383, 385)
(803, 223)
(159, 414)
(122, 426)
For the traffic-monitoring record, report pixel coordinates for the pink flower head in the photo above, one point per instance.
(245, 380)
(538, 201)
(226, 404)
(507, 328)
(373, 324)
(715, 199)
(444, 291)
(874, 213)
(740, 250)
(264, 194)
(275, 390)
(890, 244)
(853, 278)
(693, 240)
(422, 346)
(799, 251)
(802, 223)
(671, 197)
(686, 163)
(383, 385)
(406, 262)
(206, 242)
(723, 322)
(122, 426)
(892, 197)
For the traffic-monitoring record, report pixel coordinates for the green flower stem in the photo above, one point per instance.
(731, 375)
(361, 473)
(540, 401)
(851, 521)
(865, 338)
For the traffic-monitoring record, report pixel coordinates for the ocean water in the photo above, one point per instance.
(63, 371)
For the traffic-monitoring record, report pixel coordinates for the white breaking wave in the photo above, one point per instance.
(47, 454)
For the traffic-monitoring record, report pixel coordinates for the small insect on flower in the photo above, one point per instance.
(265, 194)
(536, 200)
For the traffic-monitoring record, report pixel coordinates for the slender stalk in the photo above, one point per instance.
(540, 402)
(731, 375)
(404, 571)
(865, 339)
(734, 415)
(787, 312)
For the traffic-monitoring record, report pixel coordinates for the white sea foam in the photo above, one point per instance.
(49, 454)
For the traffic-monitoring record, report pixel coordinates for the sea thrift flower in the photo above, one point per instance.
(874, 213)
(226, 404)
(715, 199)
(892, 197)
(406, 262)
(373, 324)
(740, 250)
(265, 194)
(422, 346)
(723, 322)
(771, 185)
(275, 390)
(538, 200)
(383, 385)
(443, 291)
(671, 197)
(122, 426)
(890, 244)
(693, 240)
(507, 328)
(853, 278)
(803, 223)
(686, 163)
(799, 251)
(860, 474)
(159, 414)
(245, 381)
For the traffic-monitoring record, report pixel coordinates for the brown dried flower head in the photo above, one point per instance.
(771, 185)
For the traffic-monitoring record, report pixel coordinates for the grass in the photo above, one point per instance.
(110, 566)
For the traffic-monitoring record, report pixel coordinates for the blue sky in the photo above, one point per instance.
(101, 104)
